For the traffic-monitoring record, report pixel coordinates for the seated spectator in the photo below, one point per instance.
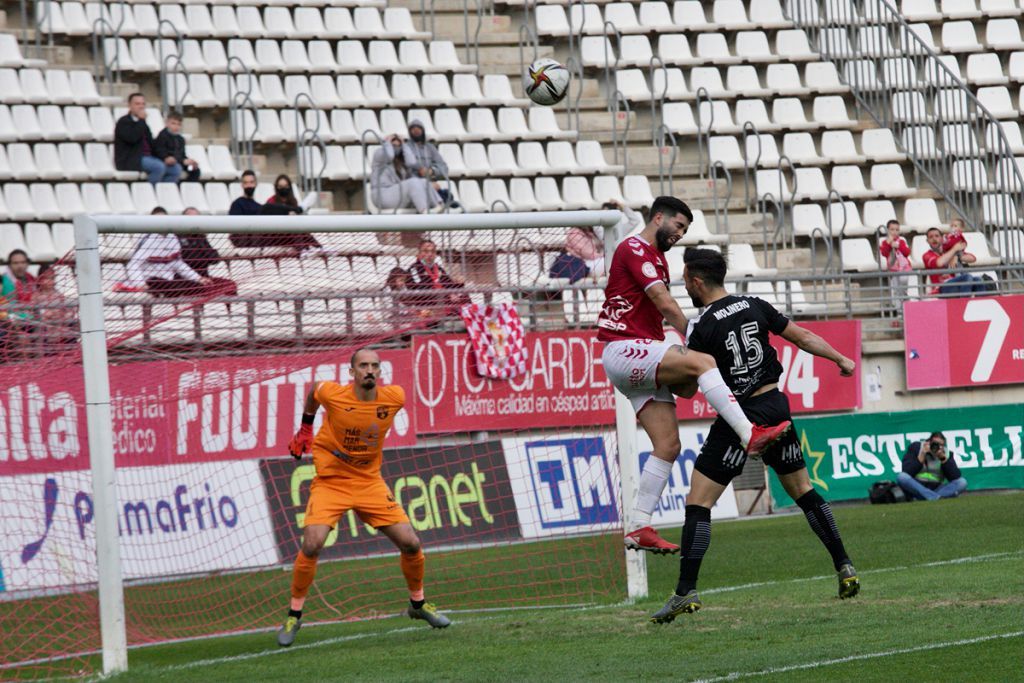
(429, 162)
(170, 146)
(925, 466)
(54, 313)
(433, 284)
(950, 253)
(631, 222)
(156, 266)
(246, 205)
(394, 182)
(134, 148)
(282, 203)
(896, 252)
(585, 244)
(17, 286)
(196, 250)
(405, 307)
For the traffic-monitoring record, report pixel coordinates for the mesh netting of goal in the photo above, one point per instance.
(512, 485)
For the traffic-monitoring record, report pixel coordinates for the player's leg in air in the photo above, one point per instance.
(682, 371)
(413, 562)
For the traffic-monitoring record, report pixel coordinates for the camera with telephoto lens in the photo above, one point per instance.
(934, 447)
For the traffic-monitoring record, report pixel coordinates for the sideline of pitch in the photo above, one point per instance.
(736, 675)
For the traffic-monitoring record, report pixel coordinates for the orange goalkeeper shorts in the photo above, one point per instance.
(372, 500)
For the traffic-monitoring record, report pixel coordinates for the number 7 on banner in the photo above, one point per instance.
(992, 312)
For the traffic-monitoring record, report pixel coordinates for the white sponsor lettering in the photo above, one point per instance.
(37, 426)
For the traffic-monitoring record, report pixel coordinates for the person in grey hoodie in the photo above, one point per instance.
(429, 162)
(394, 182)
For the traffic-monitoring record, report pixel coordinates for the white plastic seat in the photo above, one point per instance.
(958, 140)
(51, 121)
(959, 36)
(23, 163)
(873, 41)
(26, 123)
(920, 141)
(977, 245)
(496, 197)
(970, 175)
(761, 150)
(792, 45)
(888, 181)
(801, 150)
(475, 156)
(997, 100)
(881, 144)
(744, 79)
(606, 188)
(678, 117)
(637, 191)
(119, 198)
(470, 197)
(576, 194)
(920, 10)
(810, 184)
(443, 57)
(1010, 245)
(821, 77)
(712, 48)
(674, 49)
(877, 214)
(543, 124)
(857, 256)
(910, 107)
(743, 262)
(730, 14)
(773, 182)
(920, 214)
(70, 202)
(784, 79)
(845, 218)
(551, 20)
(986, 69)
(788, 112)
(849, 182)
(48, 163)
(623, 16)
(839, 147)
(690, 13)
(635, 50)
(863, 75)
(716, 117)
(710, 79)
(1003, 34)
(752, 46)
(807, 218)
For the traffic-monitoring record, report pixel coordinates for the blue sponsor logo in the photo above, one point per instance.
(181, 512)
(571, 482)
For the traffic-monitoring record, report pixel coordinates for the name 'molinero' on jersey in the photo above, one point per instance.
(628, 313)
(735, 330)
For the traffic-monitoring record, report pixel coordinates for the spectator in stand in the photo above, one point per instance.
(284, 203)
(436, 289)
(896, 252)
(54, 312)
(18, 285)
(630, 223)
(246, 205)
(925, 466)
(134, 148)
(950, 253)
(405, 307)
(585, 244)
(170, 146)
(394, 181)
(156, 266)
(196, 250)
(429, 163)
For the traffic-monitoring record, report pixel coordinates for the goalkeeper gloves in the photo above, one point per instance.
(302, 442)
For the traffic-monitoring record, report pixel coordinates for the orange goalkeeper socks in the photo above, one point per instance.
(302, 578)
(413, 569)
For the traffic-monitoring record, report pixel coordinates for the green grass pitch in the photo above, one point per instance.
(942, 599)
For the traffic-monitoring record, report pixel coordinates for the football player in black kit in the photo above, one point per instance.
(734, 329)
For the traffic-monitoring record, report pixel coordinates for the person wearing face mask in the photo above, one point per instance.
(246, 205)
(395, 182)
(428, 162)
(284, 203)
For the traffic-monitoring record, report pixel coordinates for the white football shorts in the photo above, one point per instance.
(632, 367)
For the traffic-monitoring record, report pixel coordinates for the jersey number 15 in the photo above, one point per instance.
(750, 354)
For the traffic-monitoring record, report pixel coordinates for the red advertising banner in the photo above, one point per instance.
(565, 384)
(175, 412)
(964, 342)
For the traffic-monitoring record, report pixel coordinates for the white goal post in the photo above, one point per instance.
(96, 376)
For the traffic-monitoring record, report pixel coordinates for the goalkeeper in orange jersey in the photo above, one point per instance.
(347, 453)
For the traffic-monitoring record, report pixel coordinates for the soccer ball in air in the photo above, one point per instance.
(546, 81)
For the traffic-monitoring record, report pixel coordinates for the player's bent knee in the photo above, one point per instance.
(313, 539)
(411, 546)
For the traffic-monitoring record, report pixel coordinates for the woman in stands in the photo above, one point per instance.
(393, 183)
(284, 203)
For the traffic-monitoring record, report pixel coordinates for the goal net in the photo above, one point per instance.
(213, 341)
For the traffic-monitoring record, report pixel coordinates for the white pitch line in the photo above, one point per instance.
(881, 570)
(736, 675)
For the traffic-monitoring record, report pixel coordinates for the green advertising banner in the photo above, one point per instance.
(846, 454)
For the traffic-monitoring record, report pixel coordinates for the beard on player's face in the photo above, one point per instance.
(369, 382)
(664, 238)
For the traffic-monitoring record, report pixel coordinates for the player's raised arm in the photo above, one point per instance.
(302, 442)
(668, 307)
(814, 344)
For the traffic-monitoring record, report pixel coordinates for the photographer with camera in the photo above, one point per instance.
(925, 466)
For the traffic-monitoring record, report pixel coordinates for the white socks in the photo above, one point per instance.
(722, 400)
(652, 483)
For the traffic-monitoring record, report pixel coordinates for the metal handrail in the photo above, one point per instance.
(610, 71)
(304, 143)
(527, 34)
(107, 72)
(956, 164)
(704, 132)
(721, 213)
(783, 161)
(619, 99)
(572, 103)
(828, 216)
(765, 203)
(663, 133)
(165, 76)
(242, 142)
(369, 134)
(423, 16)
(817, 234)
(44, 22)
(749, 129)
(657, 100)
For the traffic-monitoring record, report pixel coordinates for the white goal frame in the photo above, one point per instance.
(96, 369)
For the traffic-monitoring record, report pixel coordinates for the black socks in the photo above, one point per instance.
(819, 516)
(696, 539)
(416, 604)
(297, 613)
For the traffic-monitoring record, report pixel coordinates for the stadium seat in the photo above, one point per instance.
(674, 49)
(656, 17)
(792, 45)
(920, 214)
(443, 57)
(863, 74)
(881, 144)
(800, 149)
(637, 191)
(845, 218)
(19, 202)
(752, 46)
(743, 263)
(119, 196)
(784, 79)
(576, 194)
(877, 214)
(873, 41)
(888, 180)
(548, 194)
(678, 117)
(23, 164)
(10, 87)
(986, 69)
(63, 237)
(849, 182)
(920, 10)
(710, 79)
(788, 112)
(48, 162)
(543, 123)
(773, 182)
(39, 244)
(970, 175)
(716, 117)
(1003, 34)
(744, 78)
(670, 83)
(596, 51)
(978, 246)
(26, 122)
(606, 188)
(809, 184)
(762, 151)
(725, 149)
(551, 20)
(470, 197)
(997, 100)
(839, 147)
(1010, 245)
(958, 140)
(857, 256)
(10, 53)
(807, 218)
(94, 195)
(6, 172)
(959, 36)
(711, 48)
